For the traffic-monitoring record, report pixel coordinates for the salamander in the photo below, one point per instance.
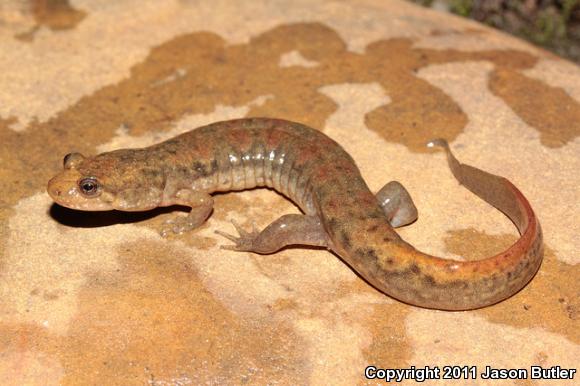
(339, 211)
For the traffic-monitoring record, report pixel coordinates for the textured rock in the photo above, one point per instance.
(100, 298)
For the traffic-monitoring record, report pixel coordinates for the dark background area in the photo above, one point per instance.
(551, 24)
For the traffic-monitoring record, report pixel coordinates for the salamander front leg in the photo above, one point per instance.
(201, 206)
(397, 204)
(290, 229)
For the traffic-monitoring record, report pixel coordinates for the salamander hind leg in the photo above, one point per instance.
(397, 204)
(201, 206)
(290, 229)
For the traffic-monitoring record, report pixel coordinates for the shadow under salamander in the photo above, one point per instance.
(88, 219)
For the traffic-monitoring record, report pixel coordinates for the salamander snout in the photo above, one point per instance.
(53, 192)
(64, 190)
(60, 189)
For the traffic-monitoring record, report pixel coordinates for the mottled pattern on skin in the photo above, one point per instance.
(318, 175)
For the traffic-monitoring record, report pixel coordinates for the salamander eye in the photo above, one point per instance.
(89, 186)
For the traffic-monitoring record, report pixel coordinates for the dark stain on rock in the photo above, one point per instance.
(57, 15)
(139, 321)
(556, 115)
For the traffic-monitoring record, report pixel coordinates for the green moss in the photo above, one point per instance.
(552, 24)
(425, 3)
(461, 7)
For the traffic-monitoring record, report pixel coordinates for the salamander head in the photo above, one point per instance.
(121, 180)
